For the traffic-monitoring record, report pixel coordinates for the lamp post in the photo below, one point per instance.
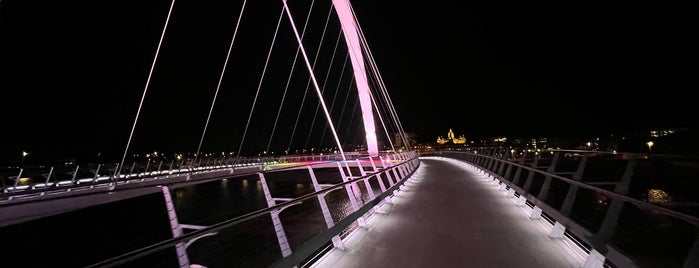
(24, 154)
(650, 145)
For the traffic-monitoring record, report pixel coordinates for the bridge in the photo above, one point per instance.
(379, 204)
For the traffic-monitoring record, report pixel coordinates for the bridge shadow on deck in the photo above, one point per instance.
(452, 217)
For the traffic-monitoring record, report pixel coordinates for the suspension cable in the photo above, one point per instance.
(374, 67)
(288, 80)
(332, 104)
(381, 107)
(315, 82)
(349, 125)
(220, 80)
(259, 85)
(315, 59)
(143, 97)
(322, 89)
(344, 105)
(378, 112)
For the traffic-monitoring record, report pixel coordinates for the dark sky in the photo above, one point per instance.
(72, 73)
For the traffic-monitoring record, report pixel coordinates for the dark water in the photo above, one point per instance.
(87, 236)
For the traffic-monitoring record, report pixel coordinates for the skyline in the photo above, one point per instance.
(486, 72)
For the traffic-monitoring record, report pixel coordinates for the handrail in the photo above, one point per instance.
(63, 188)
(133, 255)
(688, 218)
(607, 229)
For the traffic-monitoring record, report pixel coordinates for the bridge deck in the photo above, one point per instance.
(452, 217)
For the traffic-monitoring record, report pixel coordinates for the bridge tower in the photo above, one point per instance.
(349, 29)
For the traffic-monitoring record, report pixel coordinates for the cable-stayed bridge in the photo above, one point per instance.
(334, 180)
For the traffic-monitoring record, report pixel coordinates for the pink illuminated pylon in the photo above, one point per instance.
(349, 29)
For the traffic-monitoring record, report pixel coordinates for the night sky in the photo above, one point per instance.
(72, 73)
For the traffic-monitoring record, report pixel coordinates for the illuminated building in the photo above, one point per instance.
(451, 138)
(661, 133)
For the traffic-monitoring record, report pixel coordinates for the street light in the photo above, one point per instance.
(24, 154)
(650, 144)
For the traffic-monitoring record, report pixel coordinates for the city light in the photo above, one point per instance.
(650, 145)
(24, 155)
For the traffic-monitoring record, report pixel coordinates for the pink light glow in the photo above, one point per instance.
(349, 29)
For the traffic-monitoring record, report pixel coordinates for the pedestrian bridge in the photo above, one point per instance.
(477, 208)
(452, 215)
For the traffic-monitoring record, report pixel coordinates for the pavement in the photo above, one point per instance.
(451, 216)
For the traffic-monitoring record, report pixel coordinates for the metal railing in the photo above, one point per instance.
(16, 183)
(389, 172)
(595, 197)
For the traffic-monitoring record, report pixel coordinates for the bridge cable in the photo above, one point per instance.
(220, 80)
(349, 124)
(315, 59)
(322, 89)
(391, 108)
(259, 85)
(381, 89)
(332, 104)
(315, 82)
(374, 68)
(389, 103)
(143, 97)
(378, 112)
(288, 80)
(378, 74)
(383, 107)
(344, 105)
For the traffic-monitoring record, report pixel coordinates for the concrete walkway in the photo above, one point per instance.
(453, 217)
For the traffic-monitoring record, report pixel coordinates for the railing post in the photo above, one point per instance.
(530, 175)
(278, 228)
(366, 180)
(97, 173)
(351, 195)
(573, 189)
(18, 177)
(132, 167)
(48, 178)
(75, 173)
(388, 174)
(518, 172)
(543, 194)
(507, 173)
(612, 216)
(490, 161)
(501, 167)
(400, 169)
(337, 242)
(395, 174)
(182, 257)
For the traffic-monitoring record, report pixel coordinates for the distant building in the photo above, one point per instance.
(451, 138)
(409, 136)
(661, 133)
